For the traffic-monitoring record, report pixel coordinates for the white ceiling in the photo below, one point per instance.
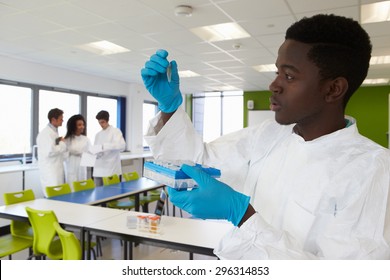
(49, 31)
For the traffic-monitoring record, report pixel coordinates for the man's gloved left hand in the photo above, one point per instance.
(211, 200)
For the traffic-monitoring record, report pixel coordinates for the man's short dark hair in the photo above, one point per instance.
(54, 113)
(340, 47)
(103, 115)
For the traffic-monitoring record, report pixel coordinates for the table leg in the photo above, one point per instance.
(130, 250)
(82, 241)
(88, 245)
(136, 202)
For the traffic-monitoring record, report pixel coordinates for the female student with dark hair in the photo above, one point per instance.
(77, 142)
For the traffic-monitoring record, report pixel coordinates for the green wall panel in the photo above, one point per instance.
(370, 107)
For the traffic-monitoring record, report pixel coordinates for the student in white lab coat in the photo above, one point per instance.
(51, 151)
(111, 142)
(77, 143)
(311, 186)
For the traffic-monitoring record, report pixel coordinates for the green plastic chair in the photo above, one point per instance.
(64, 189)
(71, 247)
(46, 242)
(111, 180)
(129, 176)
(21, 236)
(148, 197)
(20, 228)
(118, 204)
(83, 185)
(10, 245)
(58, 190)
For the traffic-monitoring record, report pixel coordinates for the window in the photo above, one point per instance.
(217, 113)
(95, 105)
(69, 103)
(26, 106)
(16, 115)
(149, 110)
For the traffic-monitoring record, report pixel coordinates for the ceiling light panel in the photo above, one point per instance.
(103, 48)
(265, 68)
(376, 81)
(375, 12)
(187, 74)
(375, 60)
(220, 32)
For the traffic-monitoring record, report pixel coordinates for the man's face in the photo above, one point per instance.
(297, 91)
(57, 122)
(103, 123)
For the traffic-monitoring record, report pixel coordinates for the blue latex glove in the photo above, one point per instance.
(211, 200)
(154, 75)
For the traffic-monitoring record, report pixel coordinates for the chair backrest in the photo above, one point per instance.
(110, 180)
(83, 185)
(16, 197)
(19, 228)
(71, 247)
(58, 190)
(44, 231)
(129, 176)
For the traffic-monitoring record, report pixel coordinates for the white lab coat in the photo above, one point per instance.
(50, 158)
(325, 198)
(108, 162)
(76, 146)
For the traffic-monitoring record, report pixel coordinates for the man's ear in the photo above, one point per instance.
(336, 89)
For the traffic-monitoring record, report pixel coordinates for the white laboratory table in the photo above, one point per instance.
(142, 155)
(191, 235)
(34, 166)
(19, 168)
(73, 215)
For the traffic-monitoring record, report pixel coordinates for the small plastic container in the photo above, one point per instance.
(131, 222)
(142, 223)
(154, 224)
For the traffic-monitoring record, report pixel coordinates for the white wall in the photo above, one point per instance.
(29, 72)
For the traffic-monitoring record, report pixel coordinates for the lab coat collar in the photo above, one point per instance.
(338, 135)
(53, 127)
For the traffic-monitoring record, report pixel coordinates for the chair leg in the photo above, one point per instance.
(93, 253)
(99, 251)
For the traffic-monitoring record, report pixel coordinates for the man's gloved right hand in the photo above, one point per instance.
(154, 76)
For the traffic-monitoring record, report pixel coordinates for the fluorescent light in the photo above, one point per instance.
(187, 74)
(227, 88)
(385, 59)
(375, 12)
(266, 68)
(103, 48)
(376, 81)
(220, 32)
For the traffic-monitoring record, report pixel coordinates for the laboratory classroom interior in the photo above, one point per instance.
(45, 47)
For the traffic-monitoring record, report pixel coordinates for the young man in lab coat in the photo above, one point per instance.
(306, 185)
(111, 143)
(51, 151)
